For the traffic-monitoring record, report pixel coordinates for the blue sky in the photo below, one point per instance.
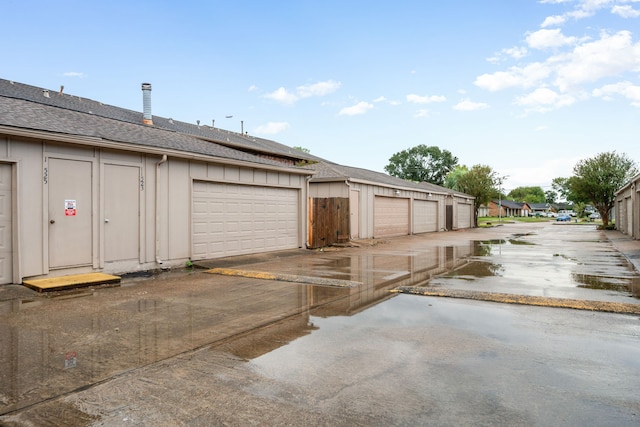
(528, 87)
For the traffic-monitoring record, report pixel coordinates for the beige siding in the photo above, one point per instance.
(124, 189)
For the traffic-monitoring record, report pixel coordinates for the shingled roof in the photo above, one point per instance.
(327, 171)
(59, 99)
(30, 108)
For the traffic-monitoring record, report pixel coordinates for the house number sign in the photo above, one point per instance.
(69, 208)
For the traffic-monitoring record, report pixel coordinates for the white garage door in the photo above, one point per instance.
(464, 215)
(390, 217)
(230, 219)
(425, 216)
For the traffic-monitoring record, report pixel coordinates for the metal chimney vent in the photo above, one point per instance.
(147, 119)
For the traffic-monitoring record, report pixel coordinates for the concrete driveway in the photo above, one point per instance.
(194, 348)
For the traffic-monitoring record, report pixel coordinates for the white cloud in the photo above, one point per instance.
(272, 128)
(543, 39)
(283, 96)
(589, 62)
(360, 108)
(74, 74)
(468, 105)
(422, 113)
(252, 88)
(418, 99)
(625, 89)
(318, 89)
(388, 101)
(544, 99)
(526, 76)
(552, 21)
(625, 11)
(516, 52)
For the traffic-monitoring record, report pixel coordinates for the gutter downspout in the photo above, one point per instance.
(163, 160)
(306, 220)
(348, 184)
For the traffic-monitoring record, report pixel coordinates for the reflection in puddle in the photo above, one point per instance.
(531, 268)
(608, 283)
(475, 269)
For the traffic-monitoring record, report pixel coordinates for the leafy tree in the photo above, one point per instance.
(550, 196)
(451, 181)
(422, 163)
(483, 183)
(304, 150)
(596, 180)
(527, 194)
(562, 186)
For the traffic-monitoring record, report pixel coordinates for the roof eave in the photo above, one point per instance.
(103, 143)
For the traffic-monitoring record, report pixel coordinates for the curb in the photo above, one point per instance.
(607, 307)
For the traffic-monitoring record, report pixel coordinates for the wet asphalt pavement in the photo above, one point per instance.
(193, 348)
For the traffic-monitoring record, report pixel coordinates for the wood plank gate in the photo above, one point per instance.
(329, 221)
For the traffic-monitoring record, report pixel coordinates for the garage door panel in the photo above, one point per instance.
(425, 216)
(230, 219)
(464, 215)
(391, 216)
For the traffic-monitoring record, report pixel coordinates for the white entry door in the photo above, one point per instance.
(121, 212)
(6, 229)
(70, 213)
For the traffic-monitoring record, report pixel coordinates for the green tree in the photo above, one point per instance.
(451, 181)
(422, 163)
(481, 182)
(596, 180)
(562, 186)
(527, 194)
(550, 196)
(304, 150)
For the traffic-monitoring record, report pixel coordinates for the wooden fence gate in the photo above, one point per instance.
(328, 221)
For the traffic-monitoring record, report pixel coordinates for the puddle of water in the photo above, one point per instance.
(606, 283)
(476, 269)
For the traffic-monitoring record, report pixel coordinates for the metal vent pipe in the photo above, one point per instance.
(147, 119)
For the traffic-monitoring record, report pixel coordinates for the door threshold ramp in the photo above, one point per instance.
(71, 282)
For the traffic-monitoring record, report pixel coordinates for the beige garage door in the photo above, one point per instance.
(425, 216)
(6, 258)
(390, 217)
(464, 215)
(230, 219)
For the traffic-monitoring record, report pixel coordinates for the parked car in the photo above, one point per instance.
(563, 217)
(552, 215)
(594, 215)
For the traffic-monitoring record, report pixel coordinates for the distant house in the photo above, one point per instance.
(627, 208)
(540, 208)
(562, 208)
(507, 208)
(354, 203)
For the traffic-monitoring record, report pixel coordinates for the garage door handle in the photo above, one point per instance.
(53, 221)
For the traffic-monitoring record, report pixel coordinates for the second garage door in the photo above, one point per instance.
(464, 215)
(425, 216)
(390, 217)
(231, 219)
